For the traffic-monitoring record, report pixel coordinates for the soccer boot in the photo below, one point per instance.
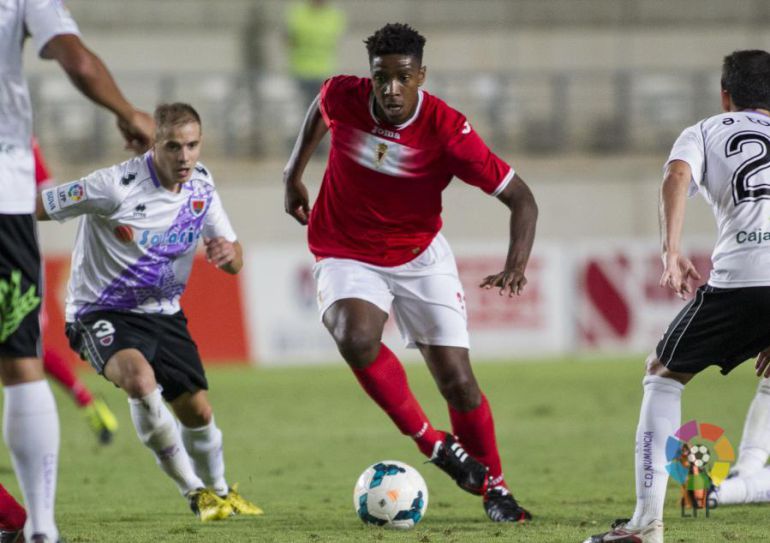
(239, 504)
(208, 506)
(501, 506)
(10, 536)
(620, 533)
(101, 420)
(467, 472)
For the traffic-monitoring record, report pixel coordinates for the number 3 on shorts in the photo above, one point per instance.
(103, 328)
(104, 331)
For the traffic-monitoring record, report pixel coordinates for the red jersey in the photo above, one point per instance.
(42, 177)
(380, 199)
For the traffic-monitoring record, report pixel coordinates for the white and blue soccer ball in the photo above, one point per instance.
(390, 494)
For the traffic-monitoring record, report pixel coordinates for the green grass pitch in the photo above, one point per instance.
(296, 439)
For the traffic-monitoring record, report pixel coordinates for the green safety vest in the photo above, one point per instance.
(314, 33)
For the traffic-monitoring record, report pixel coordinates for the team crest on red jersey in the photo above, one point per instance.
(382, 149)
(197, 206)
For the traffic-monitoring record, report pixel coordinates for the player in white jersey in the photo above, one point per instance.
(725, 158)
(140, 224)
(30, 421)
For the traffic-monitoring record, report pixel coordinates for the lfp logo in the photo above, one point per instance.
(75, 192)
(699, 456)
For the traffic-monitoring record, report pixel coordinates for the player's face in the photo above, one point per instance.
(176, 151)
(396, 80)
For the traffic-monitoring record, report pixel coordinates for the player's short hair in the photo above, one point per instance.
(175, 114)
(746, 78)
(395, 39)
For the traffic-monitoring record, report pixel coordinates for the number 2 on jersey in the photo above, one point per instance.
(743, 191)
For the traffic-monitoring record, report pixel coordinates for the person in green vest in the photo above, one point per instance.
(313, 30)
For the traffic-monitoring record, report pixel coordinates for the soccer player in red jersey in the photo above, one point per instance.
(375, 233)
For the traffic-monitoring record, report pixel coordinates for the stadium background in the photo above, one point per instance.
(583, 97)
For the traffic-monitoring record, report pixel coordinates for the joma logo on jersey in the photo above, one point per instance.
(187, 236)
(381, 151)
(387, 133)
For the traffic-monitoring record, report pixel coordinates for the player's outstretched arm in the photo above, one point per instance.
(91, 77)
(677, 270)
(296, 202)
(521, 202)
(225, 255)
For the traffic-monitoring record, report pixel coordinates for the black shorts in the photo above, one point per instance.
(164, 340)
(719, 326)
(20, 282)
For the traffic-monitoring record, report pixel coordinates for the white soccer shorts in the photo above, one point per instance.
(425, 294)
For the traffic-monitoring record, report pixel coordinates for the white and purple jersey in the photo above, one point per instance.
(136, 240)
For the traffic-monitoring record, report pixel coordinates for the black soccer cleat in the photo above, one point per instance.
(501, 506)
(466, 471)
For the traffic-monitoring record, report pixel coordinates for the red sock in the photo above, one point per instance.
(476, 431)
(57, 367)
(12, 514)
(385, 382)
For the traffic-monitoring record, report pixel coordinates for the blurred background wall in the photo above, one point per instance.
(583, 97)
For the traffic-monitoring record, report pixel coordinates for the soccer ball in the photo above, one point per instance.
(390, 494)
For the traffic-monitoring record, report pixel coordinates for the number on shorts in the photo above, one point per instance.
(103, 328)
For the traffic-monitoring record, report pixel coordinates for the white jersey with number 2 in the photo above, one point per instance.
(729, 155)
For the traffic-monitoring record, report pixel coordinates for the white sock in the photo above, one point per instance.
(755, 441)
(754, 488)
(659, 418)
(156, 428)
(731, 492)
(204, 445)
(31, 431)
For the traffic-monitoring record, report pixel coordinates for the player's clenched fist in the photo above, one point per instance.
(296, 201)
(224, 254)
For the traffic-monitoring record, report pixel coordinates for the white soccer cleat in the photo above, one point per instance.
(621, 533)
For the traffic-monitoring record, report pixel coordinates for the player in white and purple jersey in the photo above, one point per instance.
(140, 222)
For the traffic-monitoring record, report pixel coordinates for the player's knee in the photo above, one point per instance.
(653, 365)
(138, 384)
(196, 417)
(358, 347)
(461, 392)
(14, 371)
